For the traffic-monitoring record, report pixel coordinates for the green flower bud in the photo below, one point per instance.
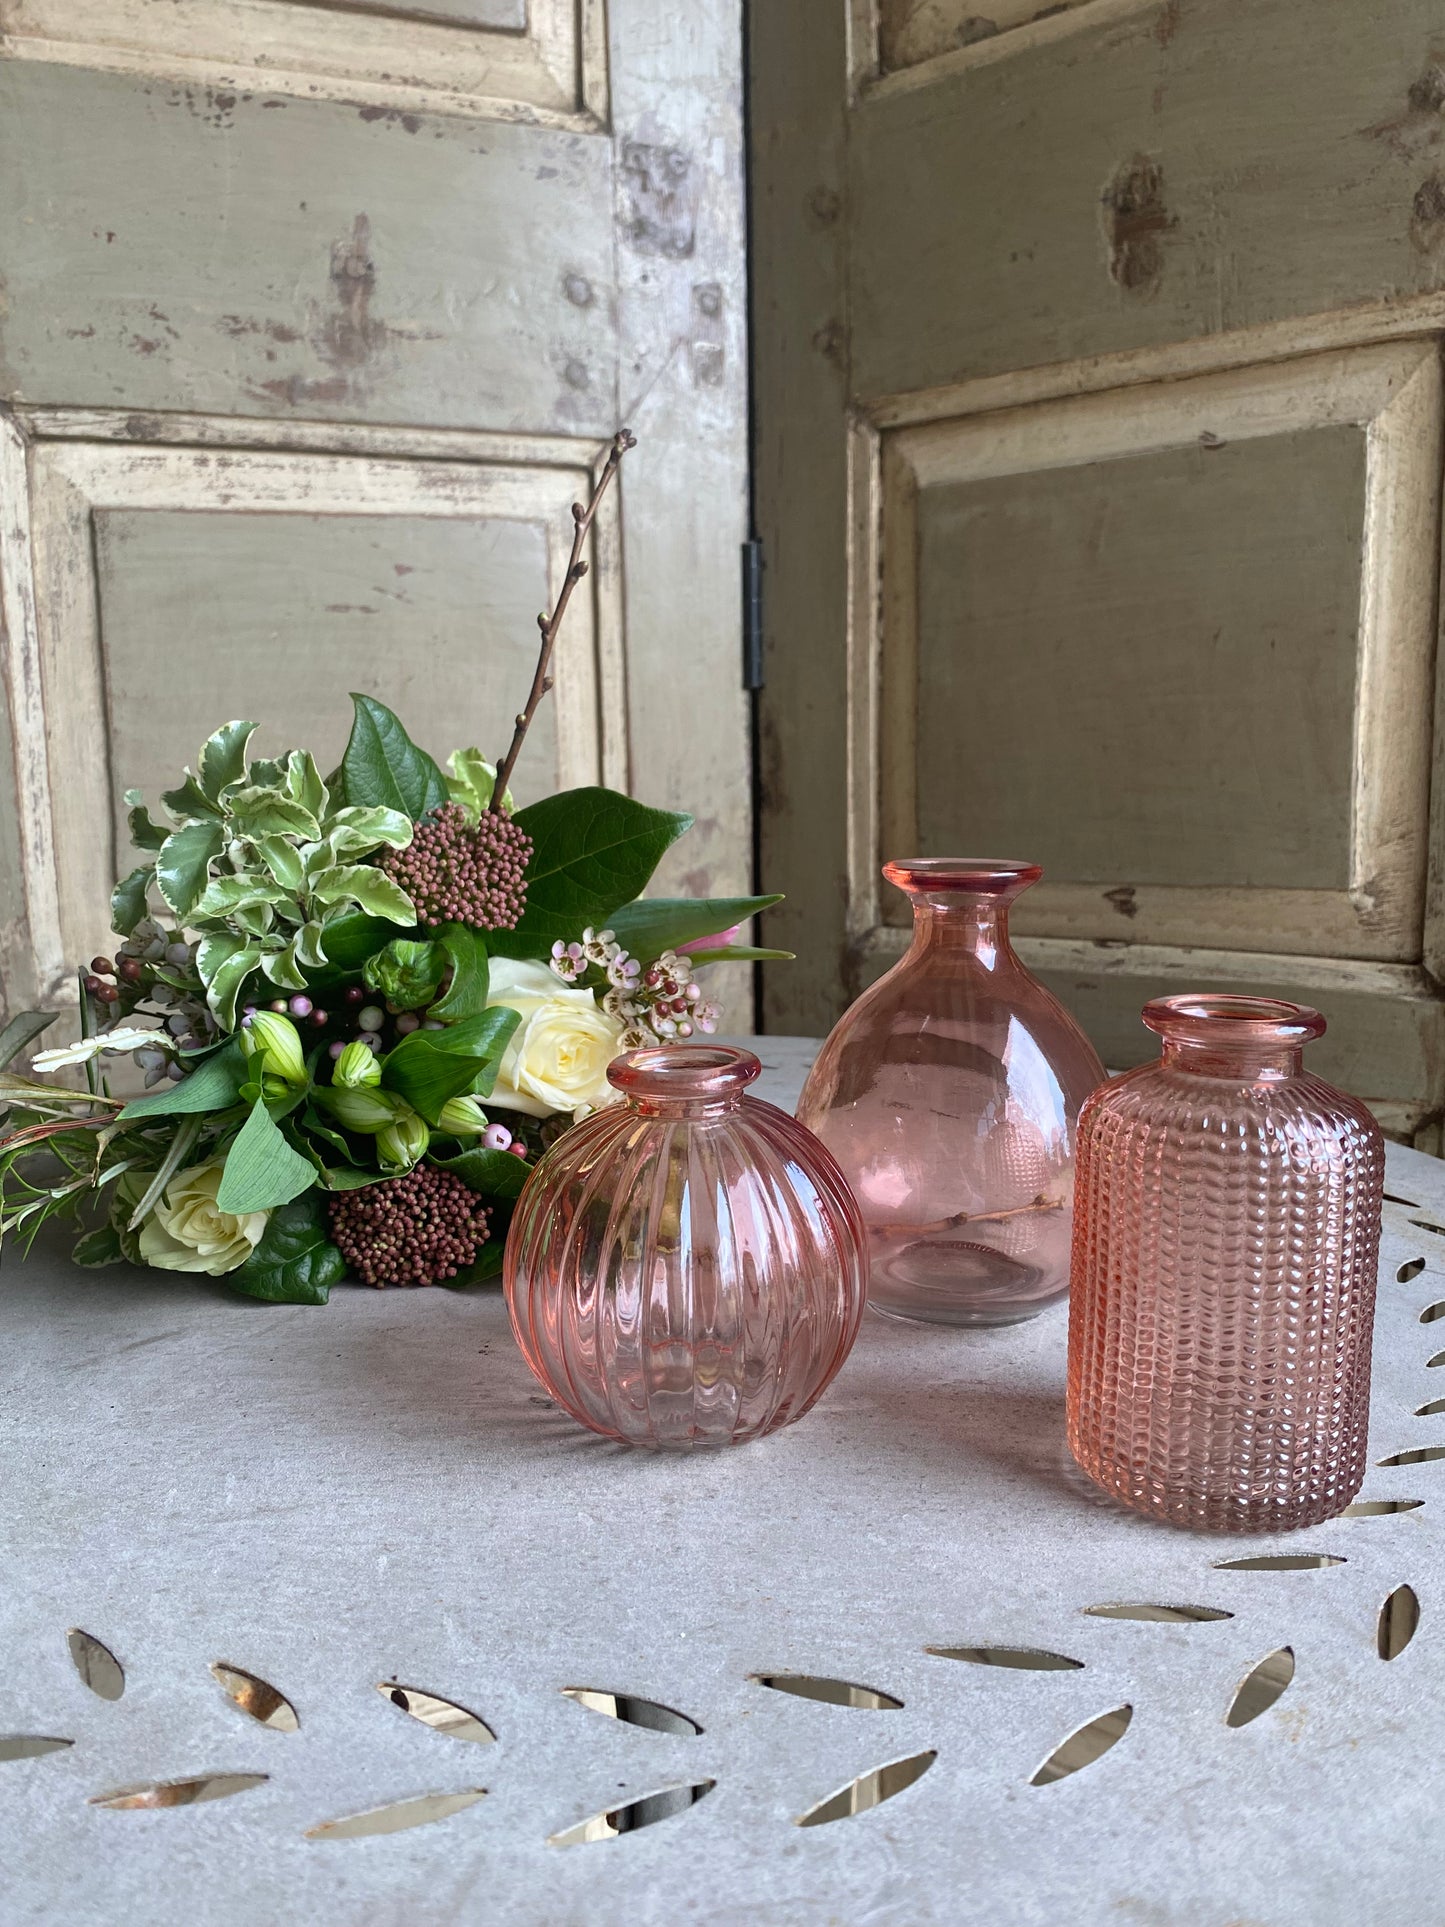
(357, 1066)
(404, 1141)
(276, 1040)
(366, 1110)
(463, 1117)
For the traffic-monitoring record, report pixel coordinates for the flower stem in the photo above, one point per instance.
(582, 519)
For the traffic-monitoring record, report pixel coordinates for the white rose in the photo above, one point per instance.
(186, 1232)
(558, 1056)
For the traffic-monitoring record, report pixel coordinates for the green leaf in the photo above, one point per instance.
(407, 973)
(349, 938)
(258, 811)
(213, 950)
(646, 928)
(262, 1171)
(495, 1174)
(99, 1247)
(366, 887)
(212, 1086)
(225, 986)
(22, 1029)
(295, 1262)
(177, 1151)
(145, 834)
(223, 757)
(128, 900)
(282, 859)
(310, 952)
(189, 800)
(304, 784)
(430, 1066)
(472, 781)
(280, 966)
(355, 832)
(345, 1178)
(466, 994)
(223, 896)
(382, 765)
(183, 864)
(593, 850)
(738, 953)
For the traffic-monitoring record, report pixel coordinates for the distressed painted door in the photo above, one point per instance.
(315, 321)
(1099, 402)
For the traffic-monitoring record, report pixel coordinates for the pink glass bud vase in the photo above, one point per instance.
(949, 1094)
(1225, 1241)
(687, 1268)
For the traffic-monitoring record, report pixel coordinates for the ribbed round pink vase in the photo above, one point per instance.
(949, 1093)
(687, 1268)
(1226, 1233)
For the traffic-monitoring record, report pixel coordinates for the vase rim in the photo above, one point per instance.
(1220, 1020)
(683, 1071)
(976, 875)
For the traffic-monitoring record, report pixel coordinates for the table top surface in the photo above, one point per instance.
(375, 1493)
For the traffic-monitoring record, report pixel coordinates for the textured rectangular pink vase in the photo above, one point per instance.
(1226, 1233)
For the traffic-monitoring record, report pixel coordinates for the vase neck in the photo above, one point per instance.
(684, 1081)
(961, 904)
(1255, 1040)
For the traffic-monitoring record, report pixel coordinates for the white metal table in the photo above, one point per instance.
(377, 1494)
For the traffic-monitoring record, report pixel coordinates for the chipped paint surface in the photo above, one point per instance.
(1135, 223)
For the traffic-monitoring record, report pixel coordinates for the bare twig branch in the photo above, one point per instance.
(548, 625)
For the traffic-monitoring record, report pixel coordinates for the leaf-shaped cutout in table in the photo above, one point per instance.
(1420, 1455)
(832, 1692)
(1425, 1224)
(627, 1818)
(1025, 1659)
(397, 1815)
(30, 1746)
(869, 1790)
(1432, 1314)
(1438, 1359)
(1380, 1508)
(1410, 1269)
(1282, 1562)
(1159, 1614)
(1085, 1745)
(97, 1665)
(631, 1710)
(442, 1716)
(256, 1697)
(1409, 1203)
(1399, 1617)
(179, 1793)
(1261, 1687)
(1430, 1410)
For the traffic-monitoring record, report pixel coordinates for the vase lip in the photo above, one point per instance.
(993, 876)
(1221, 1020)
(684, 1072)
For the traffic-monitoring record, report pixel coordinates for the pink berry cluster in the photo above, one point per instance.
(457, 871)
(413, 1230)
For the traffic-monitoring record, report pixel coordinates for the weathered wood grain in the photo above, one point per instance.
(483, 59)
(312, 260)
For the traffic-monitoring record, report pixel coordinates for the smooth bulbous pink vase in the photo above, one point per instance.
(949, 1094)
(687, 1268)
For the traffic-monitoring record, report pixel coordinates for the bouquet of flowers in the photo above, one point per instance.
(363, 1003)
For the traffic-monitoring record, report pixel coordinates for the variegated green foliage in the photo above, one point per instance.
(261, 861)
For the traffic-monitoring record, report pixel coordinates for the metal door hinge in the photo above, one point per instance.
(753, 613)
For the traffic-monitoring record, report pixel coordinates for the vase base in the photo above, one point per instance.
(961, 1317)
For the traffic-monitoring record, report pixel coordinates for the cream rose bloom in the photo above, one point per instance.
(559, 1053)
(186, 1232)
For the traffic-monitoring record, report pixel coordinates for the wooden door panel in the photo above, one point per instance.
(395, 278)
(1184, 169)
(1099, 472)
(535, 60)
(1131, 635)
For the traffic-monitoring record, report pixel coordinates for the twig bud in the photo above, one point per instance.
(578, 511)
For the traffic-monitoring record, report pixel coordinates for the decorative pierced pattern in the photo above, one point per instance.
(1224, 1288)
